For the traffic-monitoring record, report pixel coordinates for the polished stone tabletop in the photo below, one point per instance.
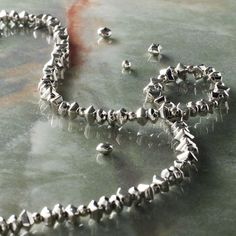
(46, 160)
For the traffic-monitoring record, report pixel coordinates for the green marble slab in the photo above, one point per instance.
(45, 161)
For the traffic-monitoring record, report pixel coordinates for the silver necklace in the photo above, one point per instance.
(173, 117)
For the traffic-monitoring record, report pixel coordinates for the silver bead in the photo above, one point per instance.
(153, 115)
(190, 68)
(192, 109)
(131, 116)
(187, 156)
(81, 111)
(177, 174)
(219, 96)
(104, 32)
(135, 196)
(47, 217)
(221, 86)
(215, 76)
(72, 111)
(164, 111)
(44, 18)
(126, 65)
(23, 17)
(165, 174)
(104, 204)
(155, 49)
(160, 100)
(63, 108)
(121, 116)
(83, 210)
(59, 71)
(155, 187)
(191, 147)
(183, 133)
(101, 116)
(128, 200)
(184, 167)
(111, 117)
(4, 17)
(161, 77)
(72, 214)
(26, 218)
(46, 94)
(14, 224)
(115, 203)
(156, 82)
(141, 116)
(37, 217)
(31, 20)
(170, 74)
(175, 113)
(184, 143)
(38, 21)
(176, 130)
(59, 213)
(209, 70)
(46, 82)
(202, 107)
(55, 101)
(104, 148)
(163, 184)
(14, 16)
(89, 115)
(55, 23)
(120, 195)
(146, 192)
(197, 72)
(4, 228)
(95, 212)
(203, 68)
(180, 68)
(152, 92)
(168, 175)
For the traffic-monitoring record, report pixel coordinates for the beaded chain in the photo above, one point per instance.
(172, 115)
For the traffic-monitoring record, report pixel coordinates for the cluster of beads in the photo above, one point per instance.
(218, 92)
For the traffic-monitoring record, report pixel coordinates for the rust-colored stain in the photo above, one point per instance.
(75, 27)
(20, 70)
(77, 49)
(25, 92)
(13, 99)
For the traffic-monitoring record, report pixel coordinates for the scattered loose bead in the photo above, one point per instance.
(126, 65)
(154, 49)
(104, 32)
(104, 148)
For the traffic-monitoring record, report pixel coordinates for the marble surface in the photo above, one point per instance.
(45, 161)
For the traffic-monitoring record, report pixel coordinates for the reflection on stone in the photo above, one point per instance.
(102, 41)
(155, 58)
(121, 135)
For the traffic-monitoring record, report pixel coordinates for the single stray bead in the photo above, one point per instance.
(104, 32)
(126, 65)
(154, 49)
(104, 148)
